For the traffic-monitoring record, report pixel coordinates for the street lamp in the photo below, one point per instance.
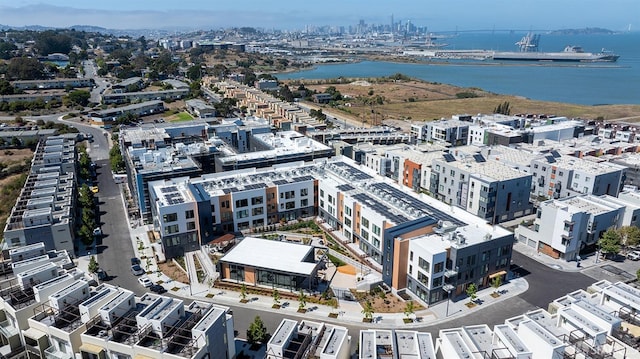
(448, 288)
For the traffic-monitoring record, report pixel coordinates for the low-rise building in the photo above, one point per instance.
(141, 109)
(200, 108)
(565, 227)
(308, 339)
(395, 344)
(125, 97)
(45, 209)
(53, 83)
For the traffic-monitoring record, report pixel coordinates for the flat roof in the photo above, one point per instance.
(270, 254)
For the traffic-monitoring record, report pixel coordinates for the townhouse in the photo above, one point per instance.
(309, 339)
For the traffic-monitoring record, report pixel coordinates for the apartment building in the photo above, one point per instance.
(126, 97)
(308, 339)
(557, 176)
(453, 131)
(489, 189)
(566, 226)
(30, 97)
(395, 344)
(61, 83)
(441, 264)
(200, 108)
(45, 209)
(139, 109)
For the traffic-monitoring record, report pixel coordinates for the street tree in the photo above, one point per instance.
(243, 292)
(409, 309)
(472, 292)
(257, 332)
(629, 236)
(302, 300)
(496, 282)
(276, 297)
(93, 265)
(367, 310)
(610, 243)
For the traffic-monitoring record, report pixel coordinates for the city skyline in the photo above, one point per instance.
(289, 15)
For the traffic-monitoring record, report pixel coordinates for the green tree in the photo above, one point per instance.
(25, 68)
(472, 292)
(367, 310)
(629, 235)
(276, 297)
(77, 97)
(195, 89)
(496, 282)
(409, 309)
(93, 265)
(6, 88)
(51, 41)
(257, 332)
(503, 108)
(243, 292)
(302, 300)
(610, 243)
(7, 49)
(115, 159)
(194, 73)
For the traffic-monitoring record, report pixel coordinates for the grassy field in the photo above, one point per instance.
(11, 185)
(178, 117)
(423, 101)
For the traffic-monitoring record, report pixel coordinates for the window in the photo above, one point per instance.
(213, 208)
(439, 267)
(171, 229)
(242, 213)
(330, 198)
(322, 203)
(424, 279)
(410, 269)
(365, 222)
(191, 226)
(364, 234)
(560, 173)
(577, 176)
(257, 211)
(347, 222)
(304, 192)
(257, 200)
(347, 211)
(170, 217)
(471, 260)
(258, 222)
(437, 282)
(224, 204)
(426, 266)
(243, 226)
(411, 256)
(375, 229)
(189, 214)
(304, 202)
(321, 193)
(290, 205)
(453, 173)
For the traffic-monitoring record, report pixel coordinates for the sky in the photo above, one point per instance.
(437, 15)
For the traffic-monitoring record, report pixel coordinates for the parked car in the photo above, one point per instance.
(137, 270)
(102, 275)
(634, 255)
(135, 261)
(156, 288)
(146, 282)
(97, 232)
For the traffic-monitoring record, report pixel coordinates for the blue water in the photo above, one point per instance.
(588, 84)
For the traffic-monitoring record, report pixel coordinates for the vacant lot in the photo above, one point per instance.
(11, 185)
(423, 101)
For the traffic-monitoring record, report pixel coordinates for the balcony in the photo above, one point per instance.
(450, 273)
(53, 353)
(8, 330)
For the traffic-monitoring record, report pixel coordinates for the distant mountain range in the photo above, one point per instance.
(116, 32)
(585, 31)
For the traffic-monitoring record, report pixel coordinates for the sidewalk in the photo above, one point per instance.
(559, 264)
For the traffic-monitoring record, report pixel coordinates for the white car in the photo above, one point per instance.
(146, 282)
(137, 270)
(634, 256)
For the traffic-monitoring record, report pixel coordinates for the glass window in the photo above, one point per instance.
(242, 203)
(304, 191)
(365, 222)
(191, 226)
(189, 214)
(257, 200)
(439, 267)
(170, 217)
(425, 265)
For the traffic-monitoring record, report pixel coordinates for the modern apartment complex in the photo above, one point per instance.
(369, 213)
(395, 344)
(308, 339)
(45, 209)
(54, 311)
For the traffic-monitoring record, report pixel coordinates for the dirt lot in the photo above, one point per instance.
(9, 191)
(174, 272)
(423, 101)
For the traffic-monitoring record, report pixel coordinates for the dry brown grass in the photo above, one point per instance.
(434, 101)
(8, 195)
(389, 304)
(171, 270)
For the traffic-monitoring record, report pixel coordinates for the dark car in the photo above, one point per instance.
(102, 275)
(156, 288)
(135, 261)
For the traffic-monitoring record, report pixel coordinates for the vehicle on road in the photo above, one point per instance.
(156, 288)
(146, 282)
(633, 256)
(102, 275)
(94, 189)
(137, 270)
(135, 261)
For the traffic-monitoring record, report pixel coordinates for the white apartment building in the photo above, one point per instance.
(566, 226)
(296, 340)
(395, 344)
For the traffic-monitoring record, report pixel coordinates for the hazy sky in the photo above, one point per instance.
(438, 15)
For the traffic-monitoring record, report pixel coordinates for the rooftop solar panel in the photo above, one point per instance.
(280, 182)
(344, 187)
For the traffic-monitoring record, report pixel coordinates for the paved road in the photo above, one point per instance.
(91, 71)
